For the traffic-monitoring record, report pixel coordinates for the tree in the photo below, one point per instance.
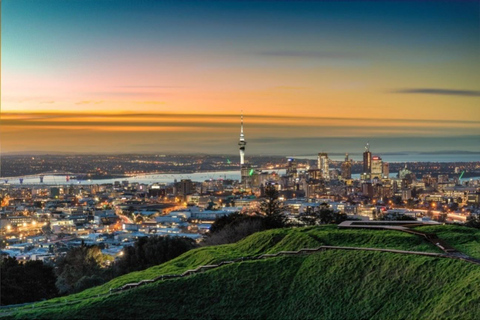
(46, 229)
(233, 228)
(454, 206)
(86, 282)
(442, 217)
(397, 217)
(236, 226)
(151, 251)
(273, 209)
(26, 282)
(473, 221)
(410, 203)
(397, 200)
(79, 262)
(322, 215)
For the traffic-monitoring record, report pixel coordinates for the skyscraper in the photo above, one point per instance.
(367, 160)
(346, 168)
(291, 167)
(376, 167)
(386, 170)
(323, 165)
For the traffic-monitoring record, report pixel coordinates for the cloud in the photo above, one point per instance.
(311, 54)
(448, 92)
(250, 118)
(49, 102)
(124, 93)
(148, 87)
(290, 87)
(89, 102)
(151, 102)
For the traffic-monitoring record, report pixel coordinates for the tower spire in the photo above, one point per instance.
(242, 136)
(242, 142)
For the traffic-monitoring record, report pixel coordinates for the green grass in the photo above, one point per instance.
(466, 240)
(270, 241)
(327, 285)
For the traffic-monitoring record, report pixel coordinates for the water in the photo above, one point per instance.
(154, 178)
(147, 179)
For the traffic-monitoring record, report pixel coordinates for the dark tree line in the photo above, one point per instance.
(322, 215)
(151, 251)
(473, 221)
(82, 268)
(26, 282)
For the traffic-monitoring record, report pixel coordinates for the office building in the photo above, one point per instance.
(346, 168)
(367, 160)
(323, 165)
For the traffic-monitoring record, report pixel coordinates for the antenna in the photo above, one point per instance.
(241, 122)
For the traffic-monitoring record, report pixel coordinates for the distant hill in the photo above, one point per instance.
(332, 284)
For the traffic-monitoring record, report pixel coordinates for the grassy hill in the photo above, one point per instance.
(466, 240)
(332, 284)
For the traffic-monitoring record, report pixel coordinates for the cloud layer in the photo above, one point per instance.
(449, 92)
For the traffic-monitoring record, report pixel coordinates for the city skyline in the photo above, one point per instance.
(127, 76)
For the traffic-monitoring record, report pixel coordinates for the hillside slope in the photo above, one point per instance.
(332, 284)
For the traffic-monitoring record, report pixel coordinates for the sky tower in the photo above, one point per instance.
(243, 167)
(242, 142)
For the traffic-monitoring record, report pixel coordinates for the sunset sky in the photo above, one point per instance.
(173, 76)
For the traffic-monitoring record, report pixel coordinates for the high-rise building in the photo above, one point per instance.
(54, 192)
(367, 189)
(346, 168)
(367, 160)
(291, 167)
(323, 165)
(376, 167)
(386, 170)
(185, 186)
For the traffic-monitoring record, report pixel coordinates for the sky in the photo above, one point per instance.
(105, 76)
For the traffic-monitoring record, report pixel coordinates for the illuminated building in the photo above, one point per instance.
(367, 160)
(54, 192)
(367, 189)
(346, 168)
(403, 173)
(185, 187)
(386, 170)
(156, 191)
(291, 167)
(376, 167)
(323, 165)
